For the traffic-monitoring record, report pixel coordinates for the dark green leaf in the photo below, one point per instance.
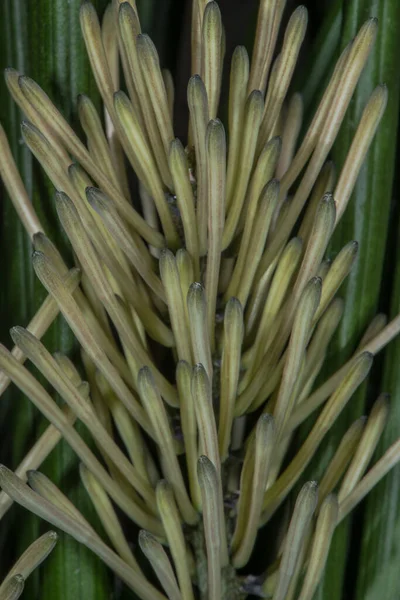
(367, 221)
(378, 570)
(43, 40)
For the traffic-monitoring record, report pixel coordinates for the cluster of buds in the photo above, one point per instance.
(203, 318)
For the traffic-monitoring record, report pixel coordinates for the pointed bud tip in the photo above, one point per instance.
(316, 281)
(82, 100)
(367, 355)
(175, 144)
(196, 292)
(327, 198)
(276, 140)
(166, 254)
(203, 460)
(146, 383)
(267, 418)
(86, 5)
(234, 302)
(199, 369)
(353, 247)
(22, 79)
(16, 332)
(309, 495)
(301, 10)
(61, 196)
(91, 191)
(256, 96)
(11, 74)
(273, 186)
(369, 29)
(382, 403)
(145, 536)
(211, 9)
(195, 79)
(4, 472)
(145, 372)
(163, 489)
(239, 51)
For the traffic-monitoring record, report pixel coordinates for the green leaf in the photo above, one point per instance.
(366, 220)
(42, 39)
(378, 571)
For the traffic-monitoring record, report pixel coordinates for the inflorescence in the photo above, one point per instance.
(222, 273)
